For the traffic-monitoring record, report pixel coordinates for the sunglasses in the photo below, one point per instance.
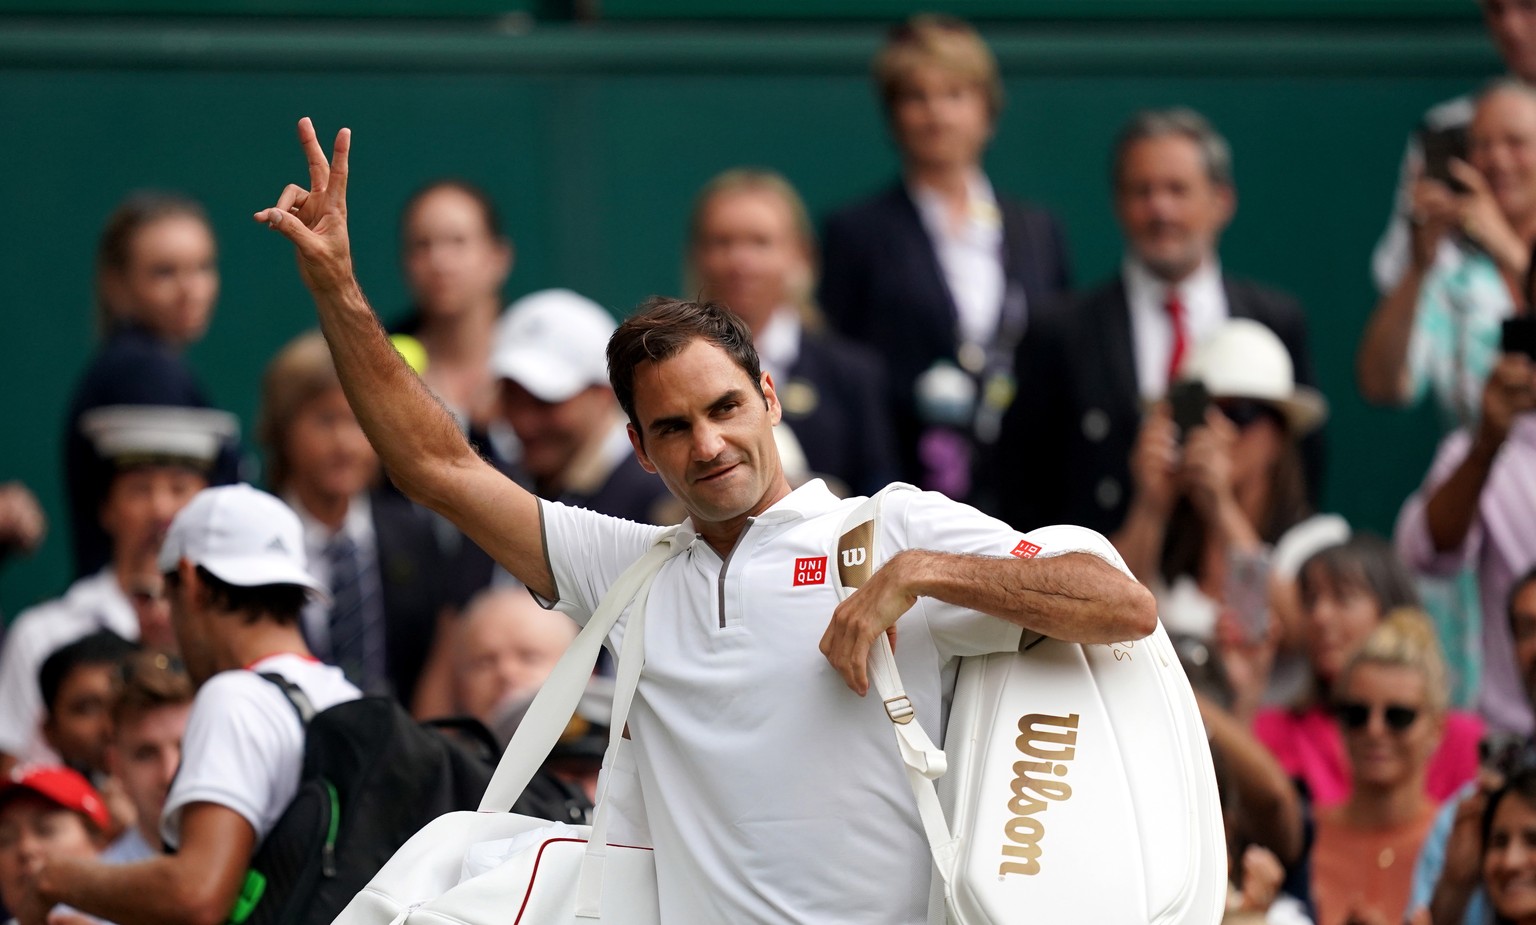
(1357, 715)
(1245, 412)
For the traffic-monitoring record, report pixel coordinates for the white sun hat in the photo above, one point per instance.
(1245, 359)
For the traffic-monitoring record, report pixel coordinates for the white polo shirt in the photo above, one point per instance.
(774, 793)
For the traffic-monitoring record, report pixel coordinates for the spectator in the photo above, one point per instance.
(939, 273)
(555, 394)
(378, 553)
(77, 683)
(1446, 877)
(1205, 510)
(235, 564)
(1512, 27)
(457, 259)
(47, 814)
(506, 646)
(1391, 699)
(161, 455)
(1509, 854)
(1090, 367)
(1477, 507)
(157, 279)
(149, 718)
(751, 248)
(1437, 329)
(1346, 591)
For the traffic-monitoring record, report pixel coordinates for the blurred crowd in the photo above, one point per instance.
(1368, 699)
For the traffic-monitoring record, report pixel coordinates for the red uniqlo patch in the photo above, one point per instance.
(811, 571)
(1026, 550)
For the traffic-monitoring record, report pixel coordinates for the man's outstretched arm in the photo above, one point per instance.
(1076, 597)
(415, 436)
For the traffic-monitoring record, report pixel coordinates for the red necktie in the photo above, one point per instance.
(1180, 341)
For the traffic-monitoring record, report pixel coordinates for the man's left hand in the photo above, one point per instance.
(863, 616)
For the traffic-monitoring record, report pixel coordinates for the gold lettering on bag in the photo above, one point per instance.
(1034, 787)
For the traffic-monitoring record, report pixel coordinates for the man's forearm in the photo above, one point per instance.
(1076, 597)
(1452, 507)
(1381, 365)
(152, 892)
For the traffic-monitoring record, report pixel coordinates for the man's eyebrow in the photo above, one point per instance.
(734, 395)
(678, 420)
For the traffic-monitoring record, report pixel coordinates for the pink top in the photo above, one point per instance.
(1309, 746)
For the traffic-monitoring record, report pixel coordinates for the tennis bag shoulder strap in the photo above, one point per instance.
(1076, 780)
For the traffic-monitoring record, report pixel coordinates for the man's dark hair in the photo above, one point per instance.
(102, 647)
(279, 603)
(661, 328)
(488, 212)
(1179, 122)
(1365, 562)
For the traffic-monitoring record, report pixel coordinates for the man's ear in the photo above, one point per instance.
(636, 441)
(771, 398)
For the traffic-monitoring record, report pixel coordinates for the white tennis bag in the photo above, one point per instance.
(493, 867)
(1075, 783)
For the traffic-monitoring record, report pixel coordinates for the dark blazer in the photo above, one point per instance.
(835, 404)
(1064, 453)
(415, 575)
(881, 285)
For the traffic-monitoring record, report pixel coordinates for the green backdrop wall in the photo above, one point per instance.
(593, 139)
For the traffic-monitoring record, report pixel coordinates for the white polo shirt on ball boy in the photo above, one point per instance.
(773, 792)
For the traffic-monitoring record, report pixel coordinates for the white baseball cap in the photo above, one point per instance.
(1245, 359)
(554, 343)
(244, 536)
(150, 433)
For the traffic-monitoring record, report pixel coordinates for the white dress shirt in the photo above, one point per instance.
(970, 255)
(1205, 309)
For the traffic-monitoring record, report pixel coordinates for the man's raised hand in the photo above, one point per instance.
(315, 219)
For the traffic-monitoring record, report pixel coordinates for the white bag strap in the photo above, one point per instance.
(924, 761)
(550, 712)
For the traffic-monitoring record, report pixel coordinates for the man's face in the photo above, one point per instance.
(144, 756)
(508, 645)
(1522, 625)
(139, 506)
(1512, 26)
(941, 119)
(1171, 211)
(1501, 144)
(328, 455)
(170, 278)
(708, 434)
(749, 255)
(34, 830)
(192, 623)
(553, 433)
(80, 725)
(451, 259)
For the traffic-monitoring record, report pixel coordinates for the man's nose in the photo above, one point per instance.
(707, 442)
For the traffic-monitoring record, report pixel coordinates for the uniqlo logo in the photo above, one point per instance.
(811, 571)
(1026, 550)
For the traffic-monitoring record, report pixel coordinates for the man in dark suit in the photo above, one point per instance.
(938, 273)
(1089, 367)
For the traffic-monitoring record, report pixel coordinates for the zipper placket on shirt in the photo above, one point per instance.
(726, 565)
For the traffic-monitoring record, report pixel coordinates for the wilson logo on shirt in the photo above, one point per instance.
(1025, 550)
(811, 570)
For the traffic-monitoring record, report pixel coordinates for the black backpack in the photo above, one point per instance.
(372, 777)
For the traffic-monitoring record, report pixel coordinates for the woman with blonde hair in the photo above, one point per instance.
(1391, 701)
(751, 248)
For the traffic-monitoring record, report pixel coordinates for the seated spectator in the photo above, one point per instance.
(1437, 330)
(1208, 503)
(456, 259)
(506, 645)
(1391, 699)
(939, 272)
(1509, 850)
(234, 558)
(149, 718)
(1091, 366)
(47, 815)
(552, 366)
(157, 279)
(1477, 507)
(162, 455)
(78, 683)
(378, 553)
(752, 249)
(1346, 592)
